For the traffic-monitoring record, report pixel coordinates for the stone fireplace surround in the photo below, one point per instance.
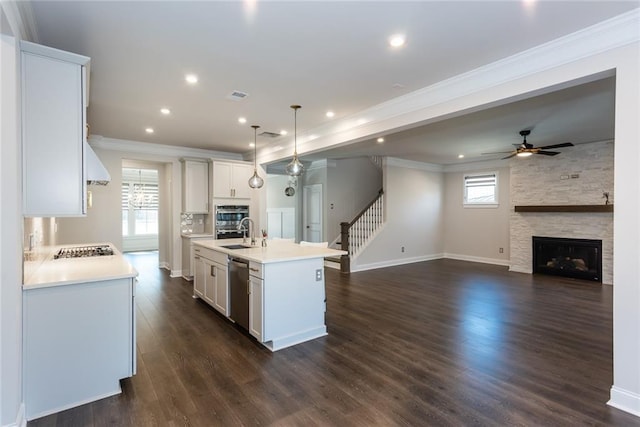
(542, 180)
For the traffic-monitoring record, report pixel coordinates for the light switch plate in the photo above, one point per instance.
(318, 275)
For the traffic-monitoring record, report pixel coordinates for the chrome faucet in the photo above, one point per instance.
(252, 230)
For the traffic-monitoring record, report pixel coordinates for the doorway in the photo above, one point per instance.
(140, 209)
(312, 212)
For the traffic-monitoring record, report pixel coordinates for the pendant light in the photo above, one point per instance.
(295, 168)
(255, 181)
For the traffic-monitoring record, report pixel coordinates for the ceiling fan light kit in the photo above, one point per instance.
(295, 167)
(255, 181)
(525, 149)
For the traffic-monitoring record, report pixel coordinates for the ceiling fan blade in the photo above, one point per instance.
(510, 156)
(564, 144)
(548, 153)
(498, 152)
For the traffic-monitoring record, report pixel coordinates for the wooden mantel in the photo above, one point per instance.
(564, 208)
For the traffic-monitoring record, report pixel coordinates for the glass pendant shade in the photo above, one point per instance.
(255, 181)
(295, 167)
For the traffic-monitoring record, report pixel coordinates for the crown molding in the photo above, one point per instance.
(412, 164)
(21, 20)
(172, 151)
(412, 109)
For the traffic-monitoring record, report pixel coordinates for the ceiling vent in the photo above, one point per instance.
(236, 95)
(269, 134)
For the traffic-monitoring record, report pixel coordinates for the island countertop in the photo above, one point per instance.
(69, 271)
(275, 251)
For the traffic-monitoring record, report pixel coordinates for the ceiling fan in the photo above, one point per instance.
(525, 149)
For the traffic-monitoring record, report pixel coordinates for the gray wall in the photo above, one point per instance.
(476, 233)
(351, 185)
(414, 217)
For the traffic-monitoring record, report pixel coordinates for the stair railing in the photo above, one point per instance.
(355, 234)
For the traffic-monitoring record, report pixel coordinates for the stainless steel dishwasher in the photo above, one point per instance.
(239, 291)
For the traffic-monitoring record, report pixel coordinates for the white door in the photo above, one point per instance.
(312, 212)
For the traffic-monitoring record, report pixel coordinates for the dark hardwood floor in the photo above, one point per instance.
(434, 343)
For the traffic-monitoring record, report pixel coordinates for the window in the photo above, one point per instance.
(481, 189)
(139, 202)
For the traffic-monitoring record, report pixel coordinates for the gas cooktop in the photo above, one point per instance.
(84, 251)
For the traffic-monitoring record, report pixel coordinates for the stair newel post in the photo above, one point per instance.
(345, 266)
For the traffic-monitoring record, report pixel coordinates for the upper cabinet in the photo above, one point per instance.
(231, 180)
(53, 131)
(195, 186)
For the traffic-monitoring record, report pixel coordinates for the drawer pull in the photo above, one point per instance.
(254, 269)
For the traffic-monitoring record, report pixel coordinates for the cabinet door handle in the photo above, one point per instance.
(253, 269)
(197, 257)
(213, 271)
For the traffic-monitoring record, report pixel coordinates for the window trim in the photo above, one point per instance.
(496, 193)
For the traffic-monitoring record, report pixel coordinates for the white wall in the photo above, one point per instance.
(413, 218)
(10, 236)
(315, 174)
(476, 233)
(351, 185)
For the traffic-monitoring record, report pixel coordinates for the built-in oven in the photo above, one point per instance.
(227, 219)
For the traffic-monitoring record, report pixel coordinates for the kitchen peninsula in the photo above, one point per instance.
(79, 327)
(280, 296)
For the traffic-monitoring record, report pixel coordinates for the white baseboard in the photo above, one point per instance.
(625, 400)
(165, 265)
(332, 264)
(494, 261)
(175, 273)
(394, 262)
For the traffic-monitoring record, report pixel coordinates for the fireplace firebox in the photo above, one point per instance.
(576, 258)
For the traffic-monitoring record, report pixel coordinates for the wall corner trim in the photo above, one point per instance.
(625, 400)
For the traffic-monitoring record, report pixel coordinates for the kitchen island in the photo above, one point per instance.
(79, 330)
(285, 287)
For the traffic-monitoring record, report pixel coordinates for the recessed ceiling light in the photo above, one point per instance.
(330, 114)
(397, 40)
(191, 79)
(461, 156)
(242, 120)
(251, 144)
(149, 130)
(380, 140)
(165, 111)
(283, 132)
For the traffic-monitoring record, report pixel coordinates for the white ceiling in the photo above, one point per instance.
(324, 56)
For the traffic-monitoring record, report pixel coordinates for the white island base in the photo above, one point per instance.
(293, 305)
(287, 301)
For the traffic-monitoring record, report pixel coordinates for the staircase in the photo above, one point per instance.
(355, 235)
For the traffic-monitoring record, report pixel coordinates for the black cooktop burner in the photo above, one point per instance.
(84, 251)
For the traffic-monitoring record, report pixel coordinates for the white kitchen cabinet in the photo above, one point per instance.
(79, 342)
(188, 254)
(199, 278)
(256, 312)
(211, 279)
(195, 186)
(231, 180)
(53, 131)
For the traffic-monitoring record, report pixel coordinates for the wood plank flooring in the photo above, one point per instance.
(434, 343)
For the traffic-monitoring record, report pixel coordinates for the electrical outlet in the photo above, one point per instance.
(575, 175)
(402, 249)
(501, 250)
(318, 275)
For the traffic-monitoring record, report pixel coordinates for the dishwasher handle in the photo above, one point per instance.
(238, 263)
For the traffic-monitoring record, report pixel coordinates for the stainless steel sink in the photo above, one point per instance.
(236, 246)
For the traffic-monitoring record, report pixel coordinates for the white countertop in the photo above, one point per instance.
(276, 250)
(197, 235)
(69, 271)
